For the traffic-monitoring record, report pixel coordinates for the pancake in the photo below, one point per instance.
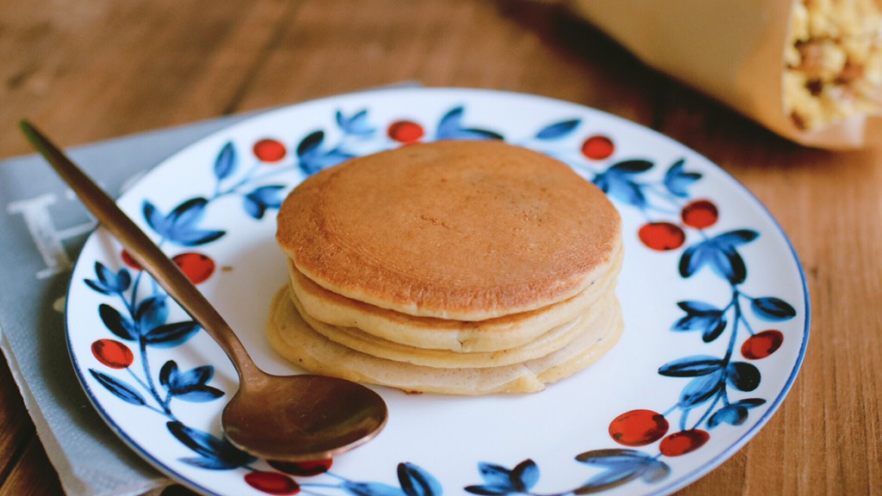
(461, 230)
(551, 341)
(497, 334)
(291, 337)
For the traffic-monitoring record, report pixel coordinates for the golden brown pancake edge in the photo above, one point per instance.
(408, 230)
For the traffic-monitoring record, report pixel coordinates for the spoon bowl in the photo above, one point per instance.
(290, 418)
(302, 417)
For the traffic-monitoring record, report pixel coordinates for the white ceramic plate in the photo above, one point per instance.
(715, 305)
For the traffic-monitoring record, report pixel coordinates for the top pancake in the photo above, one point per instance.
(466, 230)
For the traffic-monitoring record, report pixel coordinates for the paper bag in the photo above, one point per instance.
(733, 50)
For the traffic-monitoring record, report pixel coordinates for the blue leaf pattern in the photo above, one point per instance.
(357, 124)
(617, 182)
(620, 466)
(700, 322)
(450, 127)
(692, 366)
(198, 393)
(613, 457)
(697, 307)
(494, 474)
(735, 413)
(630, 167)
(701, 317)
(123, 280)
(558, 129)
(97, 286)
(196, 376)
(171, 335)
(500, 480)
(655, 471)
(168, 369)
(701, 389)
(728, 264)
(180, 225)
(690, 261)
(109, 282)
(732, 414)
(105, 275)
(526, 475)
(121, 326)
(621, 189)
(154, 218)
(677, 181)
(750, 402)
(772, 309)
(253, 208)
(488, 489)
(313, 158)
(269, 196)
(736, 238)
(151, 313)
(743, 376)
(415, 481)
(119, 388)
(209, 447)
(187, 214)
(262, 198)
(191, 385)
(310, 144)
(450, 123)
(226, 162)
(720, 254)
(196, 237)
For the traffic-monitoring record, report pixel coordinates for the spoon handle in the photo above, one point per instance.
(142, 249)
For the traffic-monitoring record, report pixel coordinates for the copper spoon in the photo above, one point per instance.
(286, 418)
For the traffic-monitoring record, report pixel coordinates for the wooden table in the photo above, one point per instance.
(93, 70)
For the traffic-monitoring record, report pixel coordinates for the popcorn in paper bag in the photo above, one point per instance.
(810, 70)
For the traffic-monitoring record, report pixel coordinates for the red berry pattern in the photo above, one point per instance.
(112, 353)
(762, 344)
(700, 214)
(680, 443)
(131, 262)
(405, 132)
(272, 483)
(303, 469)
(638, 427)
(597, 148)
(662, 236)
(269, 150)
(196, 266)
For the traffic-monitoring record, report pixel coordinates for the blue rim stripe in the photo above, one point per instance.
(672, 486)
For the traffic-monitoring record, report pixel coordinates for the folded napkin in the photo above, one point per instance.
(44, 226)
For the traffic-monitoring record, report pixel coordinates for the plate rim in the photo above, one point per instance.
(672, 486)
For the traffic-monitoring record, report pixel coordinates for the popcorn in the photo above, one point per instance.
(834, 61)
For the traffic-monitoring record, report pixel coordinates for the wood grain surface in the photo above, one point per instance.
(92, 70)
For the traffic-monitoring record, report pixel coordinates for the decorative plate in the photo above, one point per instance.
(714, 299)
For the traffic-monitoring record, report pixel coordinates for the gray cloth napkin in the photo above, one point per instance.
(42, 229)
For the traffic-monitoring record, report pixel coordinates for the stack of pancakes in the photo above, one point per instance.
(459, 267)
